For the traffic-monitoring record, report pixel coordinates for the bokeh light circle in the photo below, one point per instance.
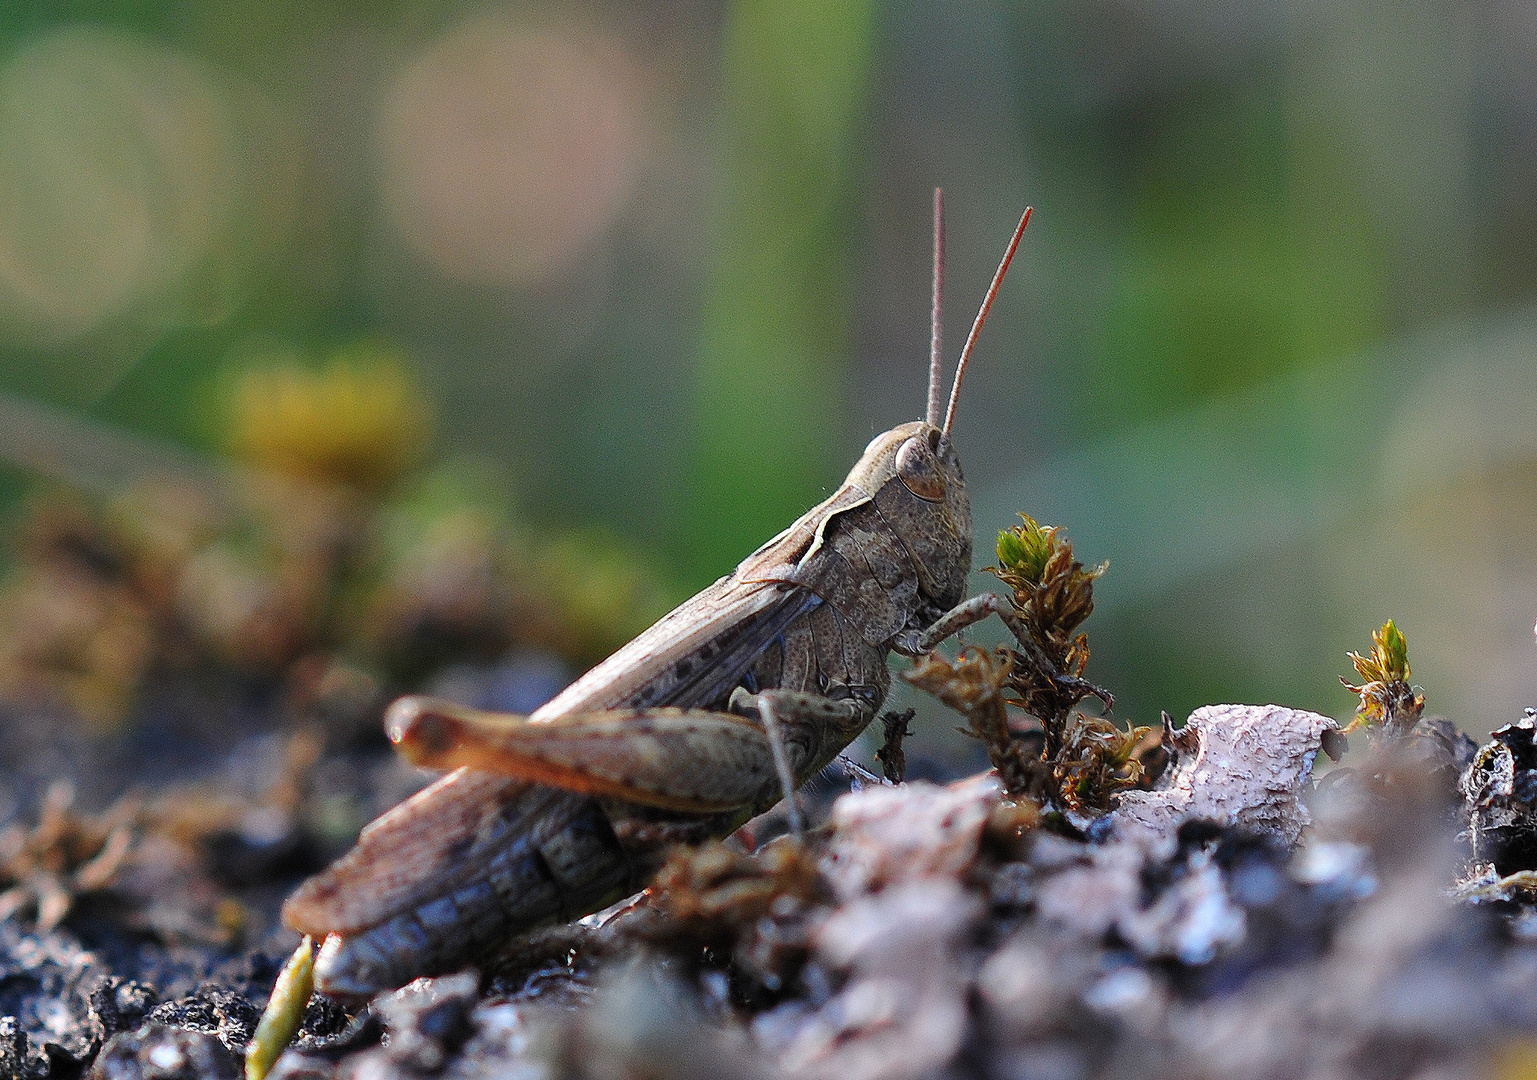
(113, 178)
(506, 150)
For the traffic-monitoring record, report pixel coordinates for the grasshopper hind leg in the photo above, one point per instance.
(691, 760)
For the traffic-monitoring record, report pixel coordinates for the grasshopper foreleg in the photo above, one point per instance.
(916, 643)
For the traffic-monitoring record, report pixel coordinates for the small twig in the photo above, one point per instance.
(856, 774)
(1083, 688)
(892, 757)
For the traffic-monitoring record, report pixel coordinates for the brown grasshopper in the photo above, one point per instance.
(710, 717)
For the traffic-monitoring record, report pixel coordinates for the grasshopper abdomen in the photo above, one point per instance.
(545, 856)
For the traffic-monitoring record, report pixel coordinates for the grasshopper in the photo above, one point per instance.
(708, 718)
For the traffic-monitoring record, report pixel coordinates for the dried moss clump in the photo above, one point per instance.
(712, 891)
(751, 908)
(1099, 760)
(1079, 762)
(1052, 595)
(973, 685)
(1388, 699)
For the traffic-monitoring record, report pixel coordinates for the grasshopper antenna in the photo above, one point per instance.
(976, 327)
(936, 318)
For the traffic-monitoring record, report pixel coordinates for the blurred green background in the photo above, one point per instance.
(1269, 347)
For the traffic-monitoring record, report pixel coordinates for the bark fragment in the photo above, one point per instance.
(1235, 765)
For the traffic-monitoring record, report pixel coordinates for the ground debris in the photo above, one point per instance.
(1193, 918)
(222, 1012)
(885, 836)
(1501, 789)
(712, 892)
(165, 1052)
(745, 919)
(903, 1009)
(66, 855)
(890, 975)
(425, 1025)
(1246, 923)
(643, 1022)
(19, 1058)
(1237, 765)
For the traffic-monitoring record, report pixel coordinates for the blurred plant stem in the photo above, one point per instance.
(773, 345)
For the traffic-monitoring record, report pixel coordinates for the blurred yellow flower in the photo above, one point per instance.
(360, 421)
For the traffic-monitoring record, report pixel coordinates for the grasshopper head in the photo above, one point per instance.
(913, 470)
(915, 475)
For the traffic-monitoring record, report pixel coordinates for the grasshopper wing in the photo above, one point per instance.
(692, 657)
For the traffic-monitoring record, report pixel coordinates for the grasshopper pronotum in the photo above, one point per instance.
(711, 716)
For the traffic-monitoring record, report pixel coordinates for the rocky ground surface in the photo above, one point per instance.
(1242, 918)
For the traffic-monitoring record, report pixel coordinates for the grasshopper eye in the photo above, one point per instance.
(919, 470)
